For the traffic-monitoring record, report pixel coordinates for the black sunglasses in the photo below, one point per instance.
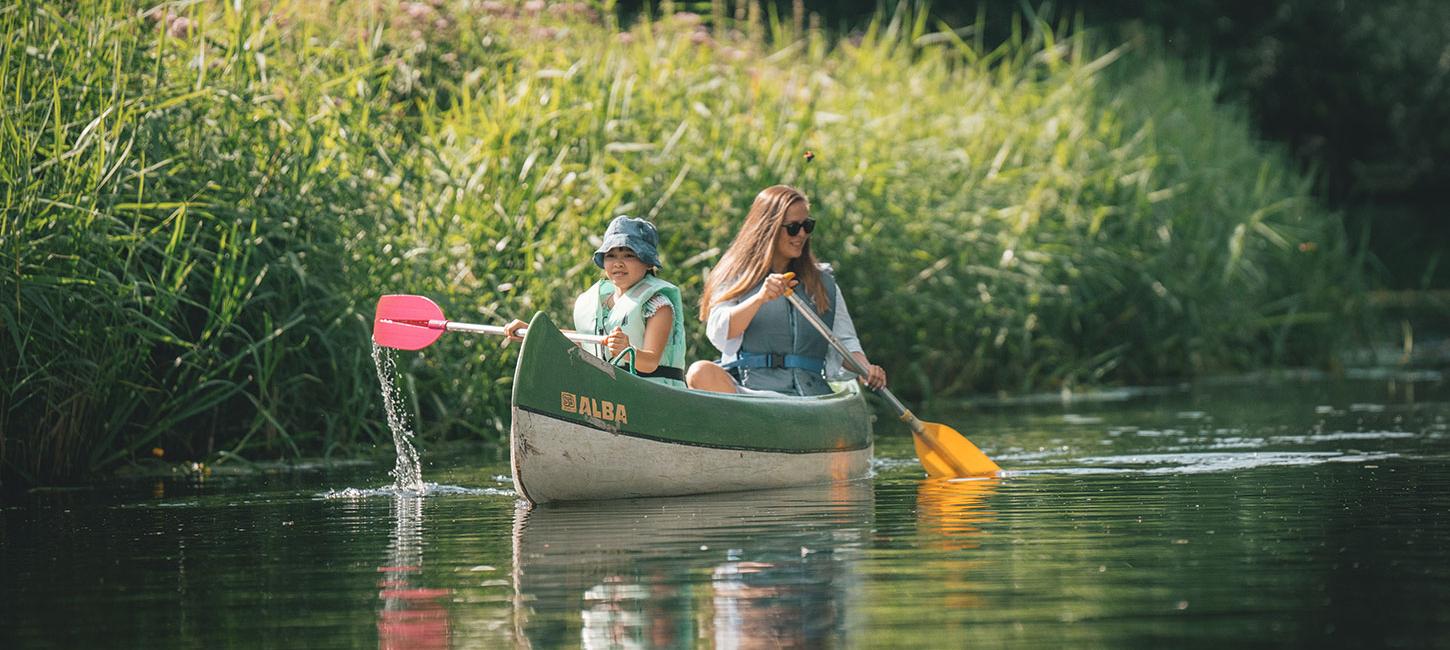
(794, 229)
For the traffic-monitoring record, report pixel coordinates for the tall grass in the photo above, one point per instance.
(174, 237)
(203, 201)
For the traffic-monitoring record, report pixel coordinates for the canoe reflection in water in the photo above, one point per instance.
(410, 616)
(773, 568)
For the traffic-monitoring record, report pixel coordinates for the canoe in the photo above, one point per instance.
(585, 430)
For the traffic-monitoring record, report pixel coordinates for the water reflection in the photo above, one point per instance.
(950, 513)
(762, 569)
(411, 616)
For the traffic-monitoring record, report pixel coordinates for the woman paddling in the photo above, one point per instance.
(640, 315)
(763, 344)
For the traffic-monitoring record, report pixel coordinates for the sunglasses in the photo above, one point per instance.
(794, 229)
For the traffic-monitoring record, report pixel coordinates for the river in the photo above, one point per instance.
(1287, 509)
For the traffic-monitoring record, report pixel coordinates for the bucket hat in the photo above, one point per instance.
(637, 235)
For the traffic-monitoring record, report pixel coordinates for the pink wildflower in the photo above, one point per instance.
(180, 27)
(417, 10)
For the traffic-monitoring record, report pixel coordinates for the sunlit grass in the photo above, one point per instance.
(202, 203)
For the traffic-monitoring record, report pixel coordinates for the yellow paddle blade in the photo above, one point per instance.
(944, 453)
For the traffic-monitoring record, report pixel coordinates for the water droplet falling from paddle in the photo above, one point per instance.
(407, 472)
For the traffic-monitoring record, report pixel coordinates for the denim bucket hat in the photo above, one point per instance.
(637, 235)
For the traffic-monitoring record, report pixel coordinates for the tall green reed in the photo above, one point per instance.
(173, 239)
(202, 206)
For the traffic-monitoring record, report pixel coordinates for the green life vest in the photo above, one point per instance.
(590, 316)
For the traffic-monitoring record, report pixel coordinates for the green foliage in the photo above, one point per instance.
(202, 208)
(175, 235)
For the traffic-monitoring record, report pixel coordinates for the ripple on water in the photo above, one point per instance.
(1208, 462)
(1395, 374)
(1339, 437)
(1015, 455)
(429, 489)
(883, 463)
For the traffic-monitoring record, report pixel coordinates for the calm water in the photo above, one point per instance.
(1266, 512)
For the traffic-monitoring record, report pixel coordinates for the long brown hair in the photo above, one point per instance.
(747, 261)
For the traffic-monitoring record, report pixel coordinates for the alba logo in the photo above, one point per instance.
(594, 408)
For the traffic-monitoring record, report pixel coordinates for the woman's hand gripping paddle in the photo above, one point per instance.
(943, 452)
(413, 322)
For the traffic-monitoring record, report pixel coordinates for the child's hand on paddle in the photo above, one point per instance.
(510, 331)
(616, 341)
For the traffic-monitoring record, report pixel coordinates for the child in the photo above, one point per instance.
(639, 314)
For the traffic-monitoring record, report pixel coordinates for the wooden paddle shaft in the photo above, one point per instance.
(496, 330)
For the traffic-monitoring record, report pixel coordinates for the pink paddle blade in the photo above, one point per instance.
(402, 322)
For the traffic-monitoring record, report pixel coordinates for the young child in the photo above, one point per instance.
(631, 306)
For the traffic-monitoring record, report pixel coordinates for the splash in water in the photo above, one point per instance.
(407, 473)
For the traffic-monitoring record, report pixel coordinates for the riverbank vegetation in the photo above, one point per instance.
(203, 201)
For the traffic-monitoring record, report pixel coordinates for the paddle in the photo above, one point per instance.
(414, 322)
(943, 451)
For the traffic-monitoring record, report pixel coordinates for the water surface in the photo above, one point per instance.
(1290, 511)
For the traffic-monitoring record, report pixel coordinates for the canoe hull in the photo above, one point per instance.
(583, 430)
(555, 460)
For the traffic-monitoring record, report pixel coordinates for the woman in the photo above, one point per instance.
(640, 315)
(763, 344)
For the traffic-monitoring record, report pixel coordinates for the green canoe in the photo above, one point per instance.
(584, 430)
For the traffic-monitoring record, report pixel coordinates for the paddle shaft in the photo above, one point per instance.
(495, 330)
(855, 366)
(850, 360)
